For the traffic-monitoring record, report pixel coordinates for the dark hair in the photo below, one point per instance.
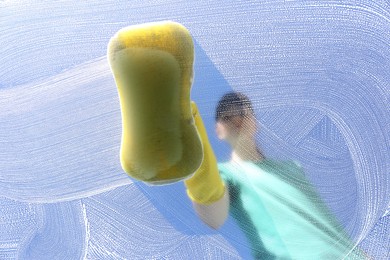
(232, 104)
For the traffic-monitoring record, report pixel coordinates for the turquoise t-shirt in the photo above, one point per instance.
(281, 214)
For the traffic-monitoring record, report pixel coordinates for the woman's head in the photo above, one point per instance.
(232, 104)
(235, 117)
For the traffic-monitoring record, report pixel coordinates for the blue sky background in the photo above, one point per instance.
(316, 71)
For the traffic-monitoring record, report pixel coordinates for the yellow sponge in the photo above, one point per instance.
(153, 68)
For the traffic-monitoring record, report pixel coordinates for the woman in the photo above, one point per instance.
(273, 203)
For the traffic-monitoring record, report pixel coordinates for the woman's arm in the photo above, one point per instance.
(206, 189)
(215, 214)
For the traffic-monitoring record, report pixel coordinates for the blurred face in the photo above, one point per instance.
(234, 126)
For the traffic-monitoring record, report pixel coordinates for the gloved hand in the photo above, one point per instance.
(206, 185)
(153, 68)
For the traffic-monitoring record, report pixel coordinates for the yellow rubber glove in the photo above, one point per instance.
(153, 68)
(206, 185)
